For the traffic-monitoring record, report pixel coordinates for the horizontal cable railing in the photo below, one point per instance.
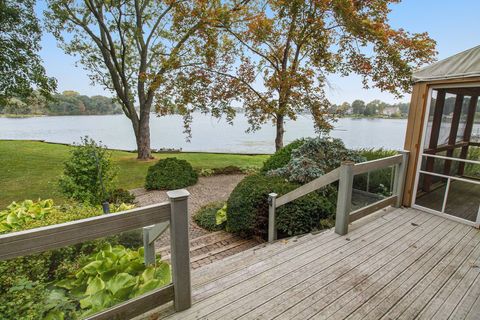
(345, 174)
(174, 212)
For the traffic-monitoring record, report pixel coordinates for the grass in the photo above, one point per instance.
(30, 170)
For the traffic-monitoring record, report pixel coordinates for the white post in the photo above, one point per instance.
(272, 229)
(400, 174)
(344, 198)
(180, 256)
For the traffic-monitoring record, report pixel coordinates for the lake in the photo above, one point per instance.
(209, 134)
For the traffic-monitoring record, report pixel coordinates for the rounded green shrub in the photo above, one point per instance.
(247, 207)
(169, 174)
(282, 157)
(206, 217)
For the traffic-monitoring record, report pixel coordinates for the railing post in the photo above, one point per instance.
(272, 230)
(180, 251)
(148, 246)
(400, 174)
(344, 198)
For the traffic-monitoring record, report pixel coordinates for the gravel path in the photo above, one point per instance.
(207, 189)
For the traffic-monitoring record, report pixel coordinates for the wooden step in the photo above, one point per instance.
(202, 241)
(205, 246)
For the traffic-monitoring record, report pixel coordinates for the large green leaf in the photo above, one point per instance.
(95, 285)
(119, 282)
(148, 286)
(163, 273)
(54, 315)
(148, 274)
(92, 267)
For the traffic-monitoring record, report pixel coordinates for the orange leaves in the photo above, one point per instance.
(259, 27)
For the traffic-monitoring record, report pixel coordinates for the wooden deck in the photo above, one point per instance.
(398, 264)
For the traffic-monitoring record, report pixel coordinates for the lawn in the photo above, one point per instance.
(30, 170)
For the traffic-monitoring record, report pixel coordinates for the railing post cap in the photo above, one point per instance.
(348, 163)
(272, 195)
(178, 194)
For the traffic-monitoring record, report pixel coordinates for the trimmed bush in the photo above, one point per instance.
(206, 216)
(282, 157)
(247, 207)
(170, 174)
(308, 213)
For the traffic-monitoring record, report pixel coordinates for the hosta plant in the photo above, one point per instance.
(112, 275)
(19, 214)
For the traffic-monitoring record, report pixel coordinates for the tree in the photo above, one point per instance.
(20, 65)
(289, 47)
(139, 48)
(374, 107)
(358, 107)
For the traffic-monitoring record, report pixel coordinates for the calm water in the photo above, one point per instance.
(209, 134)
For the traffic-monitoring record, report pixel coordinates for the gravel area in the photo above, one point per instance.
(207, 189)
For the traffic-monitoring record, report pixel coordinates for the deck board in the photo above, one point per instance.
(403, 264)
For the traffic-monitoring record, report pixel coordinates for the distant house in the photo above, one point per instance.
(390, 111)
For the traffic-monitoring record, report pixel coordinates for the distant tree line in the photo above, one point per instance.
(373, 108)
(66, 103)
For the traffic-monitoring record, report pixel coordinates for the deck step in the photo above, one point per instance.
(212, 247)
(200, 242)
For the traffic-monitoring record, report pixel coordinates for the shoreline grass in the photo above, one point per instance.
(30, 169)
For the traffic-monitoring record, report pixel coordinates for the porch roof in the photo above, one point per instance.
(462, 65)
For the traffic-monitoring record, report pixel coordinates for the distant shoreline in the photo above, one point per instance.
(23, 116)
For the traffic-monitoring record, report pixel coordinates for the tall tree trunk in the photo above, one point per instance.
(143, 135)
(280, 132)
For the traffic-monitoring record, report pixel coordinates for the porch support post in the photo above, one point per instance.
(433, 143)
(344, 198)
(467, 135)
(452, 138)
(399, 182)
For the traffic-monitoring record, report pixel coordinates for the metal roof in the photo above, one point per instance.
(462, 65)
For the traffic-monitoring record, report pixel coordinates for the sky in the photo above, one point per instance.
(454, 24)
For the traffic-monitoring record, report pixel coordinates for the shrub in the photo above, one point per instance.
(206, 217)
(89, 173)
(170, 173)
(307, 213)
(119, 196)
(282, 157)
(247, 207)
(314, 158)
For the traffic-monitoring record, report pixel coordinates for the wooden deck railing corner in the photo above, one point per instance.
(345, 174)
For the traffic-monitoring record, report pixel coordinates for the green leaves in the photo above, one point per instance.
(94, 286)
(111, 275)
(120, 282)
(89, 174)
(17, 215)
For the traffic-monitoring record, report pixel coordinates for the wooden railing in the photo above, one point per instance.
(345, 174)
(33, 241)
